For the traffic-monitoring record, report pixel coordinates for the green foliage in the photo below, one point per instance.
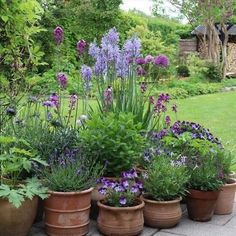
(28, 190)
(165, 181)
(114, 140)
(213, 73)
(70, 176)
(183, 71)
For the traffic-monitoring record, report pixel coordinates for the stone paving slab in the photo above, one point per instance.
(219, 226)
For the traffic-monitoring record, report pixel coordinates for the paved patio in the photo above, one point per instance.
(218, 226)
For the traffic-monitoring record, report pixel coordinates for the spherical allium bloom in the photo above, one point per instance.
(143, 87)
(149, 58)
(58, 35)
(94, 50)
(162, 61)
(141, 71)
(140, 61)
(108, 96)
(174, 108)
(122, 65)
(123, 200)
(73, 100)
(132, 47)
(62, 80)
(11, 111)
(80, 46)
(86, 73)
(167, 120)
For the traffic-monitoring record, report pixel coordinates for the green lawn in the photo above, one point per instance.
(216, 112)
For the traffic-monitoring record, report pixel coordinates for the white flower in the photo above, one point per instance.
(79, 123)
(83, 117)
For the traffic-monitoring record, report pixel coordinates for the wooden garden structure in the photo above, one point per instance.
(197, 44)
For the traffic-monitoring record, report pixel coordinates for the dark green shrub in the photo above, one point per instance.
(183, 71)
(213, 73)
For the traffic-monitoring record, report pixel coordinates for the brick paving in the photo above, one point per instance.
(224, 225)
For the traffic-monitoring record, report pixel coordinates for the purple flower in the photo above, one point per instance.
(108, 96)
(162, 61)
(134, 189)
(80, 46)
(143, 87)
(149, 58)
(119, 188)
(141, 71)
(139, 184)
(151, 99)
(58, 35)
(100, 67)
(94, 50)
(130, 174)
(174, 108)
(122, 200)
(140, 61)
(54, 98)
(122, 65)
(167, 120)
(132, 47)
(102, 191)
(125, 183)
(87, 73)
(48, 103)
(62, 79)
(111, 37)
(73, 100)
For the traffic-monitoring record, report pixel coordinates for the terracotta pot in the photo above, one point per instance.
(232, 175)
(17, 221)
(120, 221)
(201, 205)
(162, 214)
(67, 213)
(225, 201)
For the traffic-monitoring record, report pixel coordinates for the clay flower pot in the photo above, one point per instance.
(201, 205)
(67, 213)
(120, 221)
(225, 201)
(17, 221)
(162, 214)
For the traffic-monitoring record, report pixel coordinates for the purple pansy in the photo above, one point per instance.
(122, 200)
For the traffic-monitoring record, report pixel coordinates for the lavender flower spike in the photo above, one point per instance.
(86, 73)
(132, 47)
(81, 45)
(58, 35)
(62, 79)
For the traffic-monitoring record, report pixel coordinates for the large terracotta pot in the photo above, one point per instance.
(201, 205)
(67, 213)
(120, 221)
(225, 201)
(17, 221)
(162, 214)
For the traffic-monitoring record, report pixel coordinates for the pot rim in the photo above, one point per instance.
(139, 206)
(196, 190)
(162, 202)
(71, 193)
(230, 184)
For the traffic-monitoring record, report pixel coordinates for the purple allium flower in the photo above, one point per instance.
(122, 65)
(54, 98)
(141, 71)
(134, 189)
(10, 111)
(167, 120)
(151, 99)
(143, 87)
(174, 108)
(122, 200)
(58, 35)
(162, 61)
(94, 50)
(73, 100)
(62, 80)
(108, 96)
(132, 47)
(86, 73)
(80, 46)
(140, 61)
(149, 58)
(102, 191)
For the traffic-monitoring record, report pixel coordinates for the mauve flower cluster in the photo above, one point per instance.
(161, 103)
(72, 102)
(124, 191)
(62, 80)
(58, 35)
(162, 61)
(80, 46)
(53, 101)
(196, 130)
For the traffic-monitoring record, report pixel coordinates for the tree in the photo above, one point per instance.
(215, 15)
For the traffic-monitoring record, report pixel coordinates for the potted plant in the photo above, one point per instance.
(225, 201)
(70, 179)
(164, 185)
(121, 212)
(18, 193)
(204, 164)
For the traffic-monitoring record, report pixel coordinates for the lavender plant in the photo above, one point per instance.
(123, 192)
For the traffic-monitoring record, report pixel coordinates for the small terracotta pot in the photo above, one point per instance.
(162, 214)
(17, 221)
(67, 213)
(201, 205)
(120, 221)
(225, 201)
